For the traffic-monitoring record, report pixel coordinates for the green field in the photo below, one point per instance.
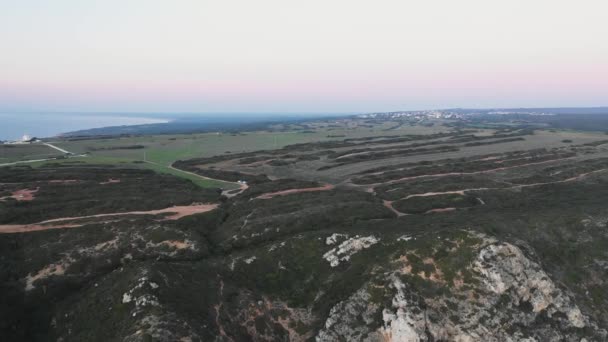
(160, 151)
(21, 152)
(165, 149)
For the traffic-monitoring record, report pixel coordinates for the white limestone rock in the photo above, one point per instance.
(349, 248)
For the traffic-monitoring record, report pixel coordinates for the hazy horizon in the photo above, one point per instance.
(177, 114)
(275, 56)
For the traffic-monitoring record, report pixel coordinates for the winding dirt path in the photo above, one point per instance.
(455, 192)
(389, 204)
(460, 173)
(34, 227)
(176, 212)
(519, 186)
(270, 195)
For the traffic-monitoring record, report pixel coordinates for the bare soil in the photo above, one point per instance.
(22, 195)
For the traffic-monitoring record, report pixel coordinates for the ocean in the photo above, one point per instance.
(44, 125)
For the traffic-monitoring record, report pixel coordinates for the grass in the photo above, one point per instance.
(161, 151)
(13, 153)
(198, 180)
(165, 149)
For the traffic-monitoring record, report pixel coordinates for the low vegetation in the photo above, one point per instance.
(435, 221)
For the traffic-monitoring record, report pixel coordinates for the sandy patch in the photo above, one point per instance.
(177, 244)
(434, 276)
(22, 195)
(50, 270)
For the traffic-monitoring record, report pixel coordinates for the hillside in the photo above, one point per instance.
(386, 229)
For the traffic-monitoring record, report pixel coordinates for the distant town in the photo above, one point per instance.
(446, 114)
(420, 115)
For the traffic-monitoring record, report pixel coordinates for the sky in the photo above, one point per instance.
(323, 56)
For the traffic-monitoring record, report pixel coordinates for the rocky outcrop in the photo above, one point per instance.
(347, 248)
(506, 271)
(357, 308)
(508, 298)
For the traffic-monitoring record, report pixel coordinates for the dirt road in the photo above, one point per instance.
(176, 212)
(294, 191)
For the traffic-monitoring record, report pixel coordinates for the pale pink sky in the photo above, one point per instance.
(304, 56)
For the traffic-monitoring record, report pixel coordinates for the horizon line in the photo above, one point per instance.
(294, 113)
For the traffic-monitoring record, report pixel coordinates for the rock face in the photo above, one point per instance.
(505, 270)
(400, 323)
(340, 321)
(508, 298)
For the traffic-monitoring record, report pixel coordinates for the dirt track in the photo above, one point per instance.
(389, 205)
(111, 181)
(517, 186)
(294, 191)
(24, 228)
(176, 211)
(462, 173)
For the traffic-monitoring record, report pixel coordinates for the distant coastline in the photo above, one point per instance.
(46, 125)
